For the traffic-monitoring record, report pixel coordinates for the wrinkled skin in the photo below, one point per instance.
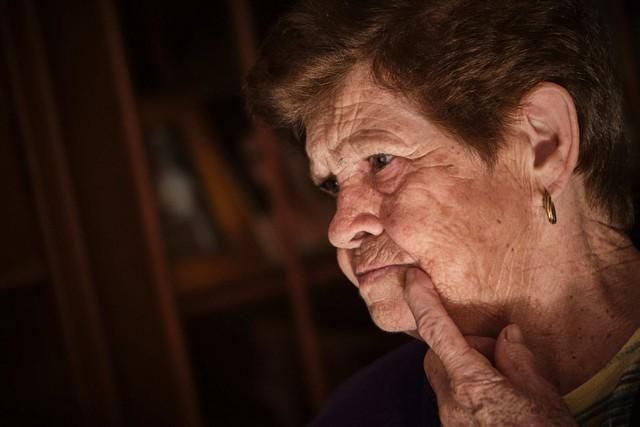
(470, 389)
(435, 205)
(453, 252)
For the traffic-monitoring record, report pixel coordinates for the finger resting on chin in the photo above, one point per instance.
(434, 324)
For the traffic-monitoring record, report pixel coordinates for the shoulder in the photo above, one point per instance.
(392, 391)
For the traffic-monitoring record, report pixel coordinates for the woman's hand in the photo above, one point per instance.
(470, 390)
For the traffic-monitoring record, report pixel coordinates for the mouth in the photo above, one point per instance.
(369, 275)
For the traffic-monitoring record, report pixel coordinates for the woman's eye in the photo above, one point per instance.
(330, 185)
(380, 161)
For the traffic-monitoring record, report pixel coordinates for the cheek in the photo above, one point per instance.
(418, 219)
(445, 227)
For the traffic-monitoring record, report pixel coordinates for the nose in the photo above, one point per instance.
(356, 217)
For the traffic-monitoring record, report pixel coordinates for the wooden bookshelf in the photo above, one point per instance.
(263, 247)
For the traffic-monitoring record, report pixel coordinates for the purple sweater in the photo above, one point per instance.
(393, 391)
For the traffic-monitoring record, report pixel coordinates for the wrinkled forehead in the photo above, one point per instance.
(358, 105)
(353, 93)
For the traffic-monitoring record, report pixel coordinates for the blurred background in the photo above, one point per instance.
(163, 260)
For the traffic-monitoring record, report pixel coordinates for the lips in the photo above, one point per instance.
(361, 270)
(369, 274)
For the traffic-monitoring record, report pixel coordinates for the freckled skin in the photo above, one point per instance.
(481, 235)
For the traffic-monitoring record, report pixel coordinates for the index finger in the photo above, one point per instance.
(435, 325)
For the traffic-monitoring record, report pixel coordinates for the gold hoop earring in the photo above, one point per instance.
(549, 207)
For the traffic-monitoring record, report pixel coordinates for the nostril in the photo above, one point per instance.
(345, 233)
(360, 235)
(348, 232)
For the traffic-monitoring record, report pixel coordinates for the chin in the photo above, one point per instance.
(392, 316)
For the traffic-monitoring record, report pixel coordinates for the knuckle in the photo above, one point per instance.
(433, 326)
(476, 390)
(428, 321)
(466, 363)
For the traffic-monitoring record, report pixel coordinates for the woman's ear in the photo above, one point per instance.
(550, 121)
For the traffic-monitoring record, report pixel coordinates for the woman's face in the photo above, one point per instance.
(410, 195)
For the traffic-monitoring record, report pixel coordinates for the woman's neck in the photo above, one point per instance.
(583, 293)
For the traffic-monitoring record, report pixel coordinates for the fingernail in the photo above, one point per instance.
(514, 334)
(410, 275)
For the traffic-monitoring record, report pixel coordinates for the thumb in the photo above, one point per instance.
(516, 362)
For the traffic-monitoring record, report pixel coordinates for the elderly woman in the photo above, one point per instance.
(476, 153)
